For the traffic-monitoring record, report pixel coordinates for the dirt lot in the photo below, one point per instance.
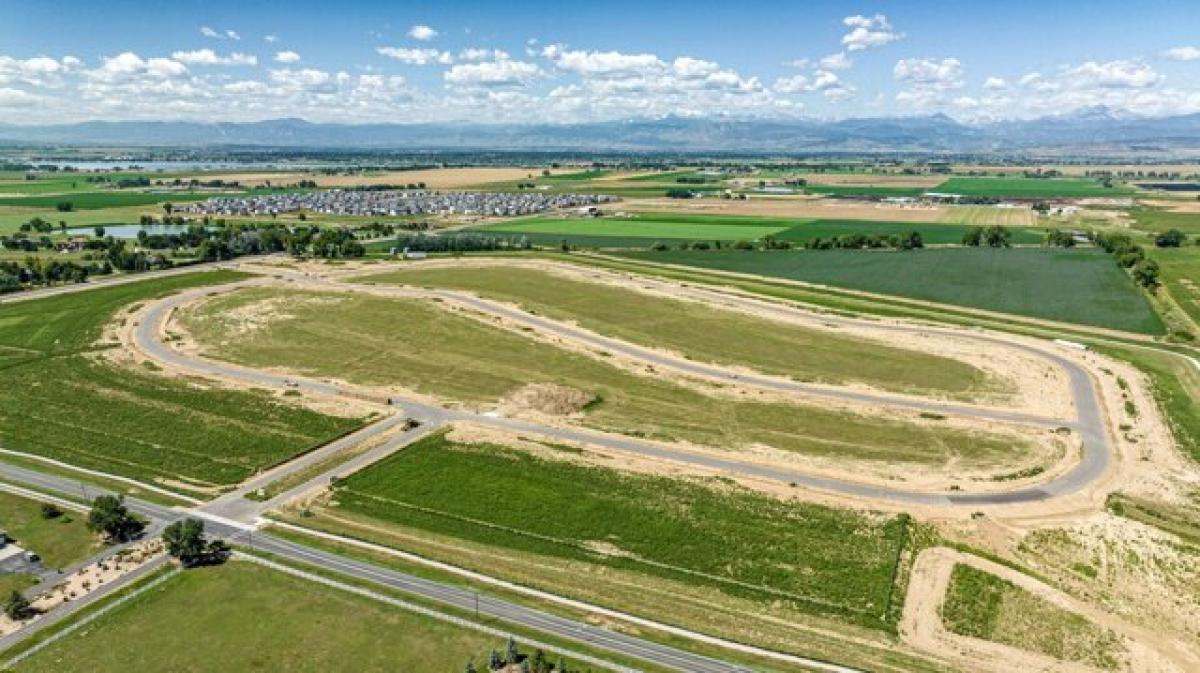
(435, 178)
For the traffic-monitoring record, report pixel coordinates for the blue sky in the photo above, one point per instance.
(576, 61)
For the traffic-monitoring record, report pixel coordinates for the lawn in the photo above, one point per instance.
(931, 233)
(244, 617)
(981, 605)
(12, 218)
(412, 343)
(1078, 286)
(704, 333)
(60, 541)
(828, 561)
(59, 400)
(1028, 188)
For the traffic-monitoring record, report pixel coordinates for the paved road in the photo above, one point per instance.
(1096, 458)
(443, 594)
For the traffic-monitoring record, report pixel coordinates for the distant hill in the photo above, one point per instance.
(1086, 130)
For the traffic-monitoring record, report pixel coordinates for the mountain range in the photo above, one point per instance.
(1087, 130)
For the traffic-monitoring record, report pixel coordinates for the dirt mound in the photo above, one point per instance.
(550, 399)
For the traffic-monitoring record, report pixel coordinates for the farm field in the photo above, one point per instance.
(1028, 188)
(60, 541)
(58, 399)
(414, 344)
(981, 605)
(1181, 276)
(867, 190)
(826, 561)
(1157, 220)
(689, 228)
(106, 199)
(931, 233)
(704, 333)
(1079, 286)
(244, 617)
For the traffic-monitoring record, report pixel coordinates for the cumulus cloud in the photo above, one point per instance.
(37, 71)
(602, 63)
(995, 84)
(416, 56)
(287, 57)
(16, 98)
(868, 31)
(501, 73)
(422, 32)
(270, 39)
(822, 81)
(478, 54)
(1183, 53)
(838, 61)
(209, 32)
(209, 57)
(944, 74)
(1119, 74)
(129, 64)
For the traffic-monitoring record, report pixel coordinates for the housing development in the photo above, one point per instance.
(691, 382)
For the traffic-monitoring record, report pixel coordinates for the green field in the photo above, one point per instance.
(981, 605)
(106, 199)
(244, 617)
(1181, 276)
(931, 233)
(864, 190)
(1079, 286)
(414, 344)
(12, 218)
(704, 333)
(1028, 188)
(60, 541)
(828, 561)
(59, 400)
(1156, 220)
(723, 229)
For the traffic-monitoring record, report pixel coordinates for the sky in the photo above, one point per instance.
(529, 61)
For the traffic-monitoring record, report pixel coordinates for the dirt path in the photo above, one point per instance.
(921, 624)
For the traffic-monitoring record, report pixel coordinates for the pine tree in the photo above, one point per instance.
(512, 655)
(495, 663)
(561, 666)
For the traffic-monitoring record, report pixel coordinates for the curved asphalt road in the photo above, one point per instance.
(1097, 449)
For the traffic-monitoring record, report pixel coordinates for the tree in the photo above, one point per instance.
(185, 541)
(1145, 273)
(168, 208)
(973, 238)
(996, 236)
(495, 663)
(540, 664)
(50, 511)
(511, 655)
(1170, 239)
(110, 518)
(64, 206)
(99, 231)
(16, 606)
(470, 667)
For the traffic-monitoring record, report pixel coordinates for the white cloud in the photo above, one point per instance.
(823, 81)
(503, 73)
(1117, 74)
(209, 32)
(287, 57)
(944, 74)
(478, 54)
(38, 71)
(128, 64)
(798, 63)
(209, 57)
(838, 61)
(422, 32)
(995, 84)
(417, 56)
(16, 98)
(304, 79)
(1183, 53)
(602, 63)
(233, 35)
(868, 31)
(270, 39)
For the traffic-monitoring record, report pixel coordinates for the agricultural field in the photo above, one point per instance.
(59, 399)
(826, 561)
(981, 605)
(1079, 286)
(1029, 188)
(244, 617)
(641, 230)
(60, 541)
(103, 199)
(867, 190)
(703, 333)
(1181, 276)
(1157, 220)
(415, 345)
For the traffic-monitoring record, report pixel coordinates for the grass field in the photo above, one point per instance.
(829, 561)
(412, 343)
(1180, 273)
(703, 333)
(981, 605)
(12, 218)
(862, 190)
(1028, 188)
(60, 541)
(931, 234)
(57, 399)
(1157, 220)
(105, 199)
(244, 617)
(1079, 286)
(644, 227)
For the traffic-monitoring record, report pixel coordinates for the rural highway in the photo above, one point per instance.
(456, 597)
(1094, 462)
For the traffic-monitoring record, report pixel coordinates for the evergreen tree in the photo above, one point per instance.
(511, 653)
